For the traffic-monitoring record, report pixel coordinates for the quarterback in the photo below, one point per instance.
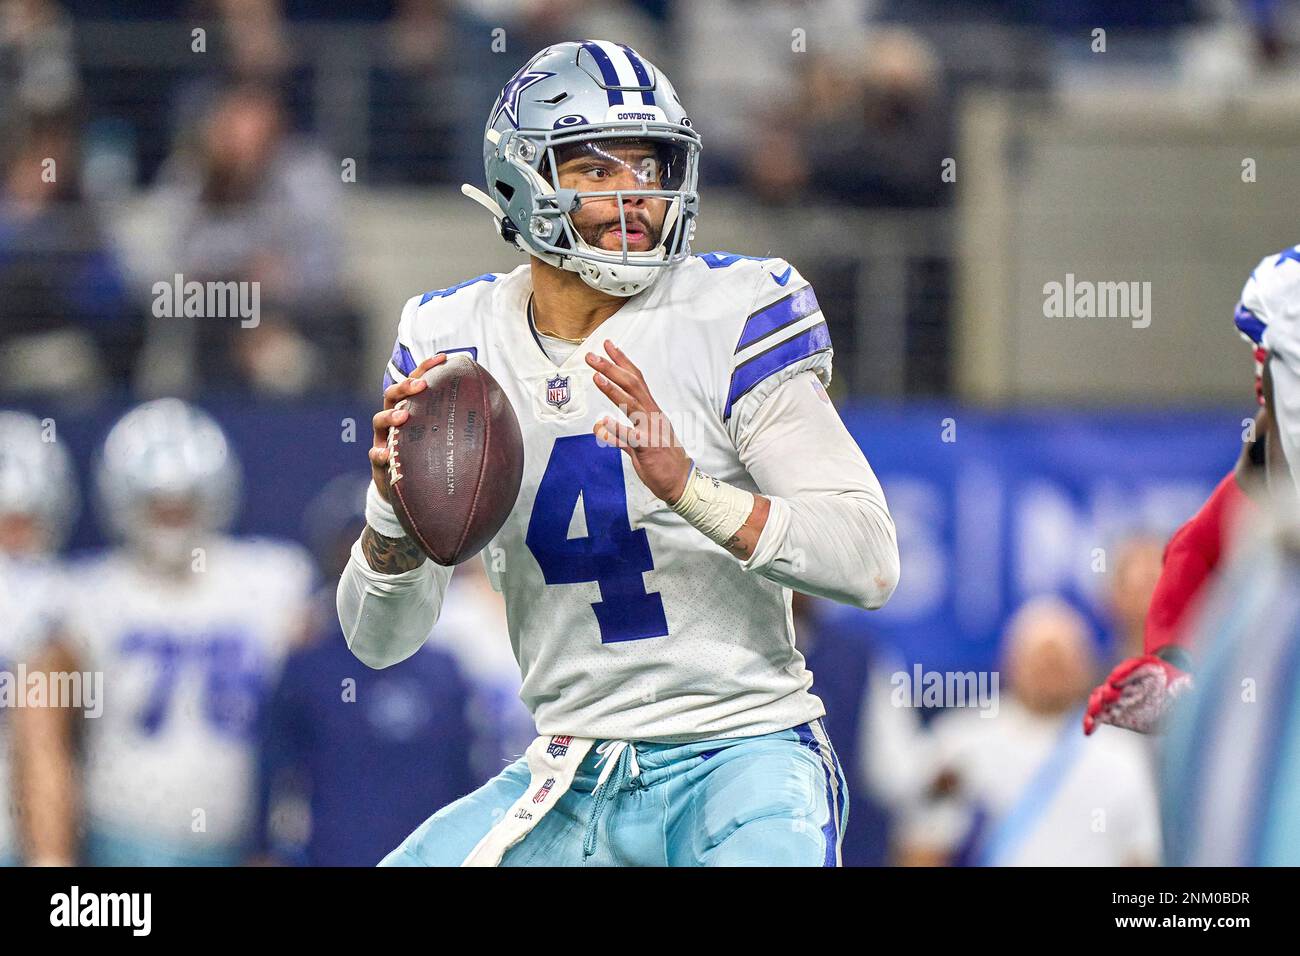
(684, 470)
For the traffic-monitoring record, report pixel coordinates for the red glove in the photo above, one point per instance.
(1136, 695)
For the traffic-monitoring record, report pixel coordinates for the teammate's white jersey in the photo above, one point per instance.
(627, 622)
(1269, 316)
(25, 621)
(186, 662)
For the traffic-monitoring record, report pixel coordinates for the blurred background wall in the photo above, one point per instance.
(1133, 185)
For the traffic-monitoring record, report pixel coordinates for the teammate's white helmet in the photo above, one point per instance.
(166, 450)
(36, 477)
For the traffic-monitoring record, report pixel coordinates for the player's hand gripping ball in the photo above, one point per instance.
(452, 456)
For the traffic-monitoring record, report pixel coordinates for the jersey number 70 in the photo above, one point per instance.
(611, 554)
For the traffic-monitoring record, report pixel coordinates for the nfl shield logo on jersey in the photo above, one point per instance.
(559, 746)
(557, 391)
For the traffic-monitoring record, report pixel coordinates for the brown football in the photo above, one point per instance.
(456, 463)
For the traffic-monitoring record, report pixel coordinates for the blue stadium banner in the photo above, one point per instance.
(991, 507)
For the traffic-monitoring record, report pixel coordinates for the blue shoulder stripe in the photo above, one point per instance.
(1292, 254)
(799, 304)
(403, 359)
(453, 289)
(720, 260)
(405, 362)
(798, 347)
(1249, 324)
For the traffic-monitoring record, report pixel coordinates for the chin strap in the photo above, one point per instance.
(505, 228)
(490, 204)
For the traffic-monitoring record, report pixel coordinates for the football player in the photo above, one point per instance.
(684, 470)
(187, 625)
(1230, 793)
(1139, 692)
(38, 506)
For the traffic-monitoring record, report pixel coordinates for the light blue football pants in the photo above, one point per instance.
(778, 799)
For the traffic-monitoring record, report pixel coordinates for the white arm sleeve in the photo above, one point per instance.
(386, 617)
(829, 532)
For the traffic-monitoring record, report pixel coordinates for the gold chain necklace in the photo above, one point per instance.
(552, 335)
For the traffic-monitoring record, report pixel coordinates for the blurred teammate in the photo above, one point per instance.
(1232, 760)
(38, 505)
(188, 627)
(1140, 691)
(647, 584)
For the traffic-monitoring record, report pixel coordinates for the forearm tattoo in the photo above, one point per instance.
(390, 555)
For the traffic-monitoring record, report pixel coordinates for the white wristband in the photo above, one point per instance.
(714, 507)
(381, 516)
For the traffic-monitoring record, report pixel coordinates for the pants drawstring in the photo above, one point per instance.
(619, 758)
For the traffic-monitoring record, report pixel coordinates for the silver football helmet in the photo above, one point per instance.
(166, 451)
(589, 97)
(36, 477)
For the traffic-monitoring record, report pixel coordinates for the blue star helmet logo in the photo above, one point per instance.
(508, 101)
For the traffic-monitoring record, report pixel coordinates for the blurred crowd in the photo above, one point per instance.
(225, 128)
(221, 719)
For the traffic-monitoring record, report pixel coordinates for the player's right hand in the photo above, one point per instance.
(1136, 695)
(391, 416)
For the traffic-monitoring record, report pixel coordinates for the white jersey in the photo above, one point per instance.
(1269, 317)
(627, 622)
(186, 663)
(25, 621)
